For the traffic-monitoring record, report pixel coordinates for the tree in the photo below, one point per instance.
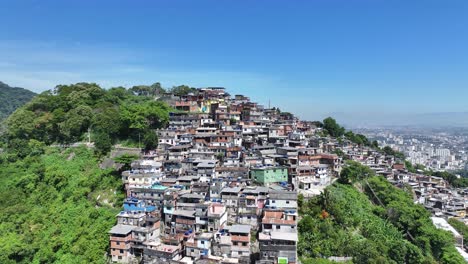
(107, 120)
(150, 140)
(76, 122)
(339, 152)
(102, 143)
(126, 161)
(332, 127)
(21, 124)
(68, 112)
(157, 89)
(391, 152)
(182, 90)
(354, 171)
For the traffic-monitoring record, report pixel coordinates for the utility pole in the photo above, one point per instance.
(89, 135)
(139, 142)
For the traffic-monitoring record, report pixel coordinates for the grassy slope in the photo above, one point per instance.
(49, 211)
(343, 222)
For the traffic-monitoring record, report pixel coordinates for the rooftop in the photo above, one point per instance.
(121, 229)
(243, 229)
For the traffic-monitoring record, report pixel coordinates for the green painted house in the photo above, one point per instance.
(265, 175)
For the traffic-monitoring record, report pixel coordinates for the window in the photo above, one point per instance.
(118, 243)
(202, 242)
(278, 227)
(121, 251)
(287, 202)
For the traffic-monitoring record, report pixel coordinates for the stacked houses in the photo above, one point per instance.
(222, 185)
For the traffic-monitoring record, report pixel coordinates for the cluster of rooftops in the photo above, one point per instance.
(223, 183)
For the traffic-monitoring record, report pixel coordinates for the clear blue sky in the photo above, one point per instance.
(313, 58)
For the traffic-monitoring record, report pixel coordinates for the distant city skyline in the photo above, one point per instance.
(365, 62)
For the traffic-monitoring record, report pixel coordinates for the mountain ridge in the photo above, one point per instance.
(12, 98)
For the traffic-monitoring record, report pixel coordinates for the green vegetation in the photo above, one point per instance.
(148, 90)
(56, 207)
(126, 161)
(460, 227)
(69, 112)
(11, 98)
(354, 171)
(389, 151)
(57, 204)
(450, 177)
(339, 152)
(335, 130)
(183, 90)
(364, 217)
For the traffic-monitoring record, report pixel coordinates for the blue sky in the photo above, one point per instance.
(369, 58)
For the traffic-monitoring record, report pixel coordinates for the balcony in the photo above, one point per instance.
(185, 221)
(277, 248)
(139, 239)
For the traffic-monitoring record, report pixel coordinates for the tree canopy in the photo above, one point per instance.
(390, 151)
(333, 128)
(57, 207)
(68, 113)
(183, 90)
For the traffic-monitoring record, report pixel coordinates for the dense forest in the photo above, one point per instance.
(72, 113)
(57, 207)
(57, 204)
(364, 217)
(11, 98)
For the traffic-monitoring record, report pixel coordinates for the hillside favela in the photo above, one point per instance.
(215, 178)
(234, 132)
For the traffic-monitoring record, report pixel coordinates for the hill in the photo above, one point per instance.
(368, 220)
(12, 98)
(82, 111)
(57, 204)
(57, 207)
